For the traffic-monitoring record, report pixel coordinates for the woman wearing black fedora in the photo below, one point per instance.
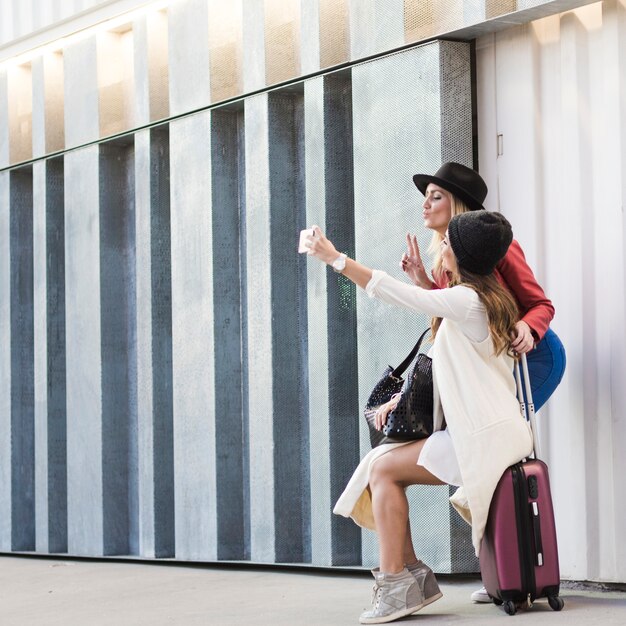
(483, 432)
(453, 190)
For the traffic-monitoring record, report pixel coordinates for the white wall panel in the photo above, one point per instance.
(188, 51)
(554, 91)
(262, 523)
(82, 107)
(192, 339)
(84, 366)
(41, 357)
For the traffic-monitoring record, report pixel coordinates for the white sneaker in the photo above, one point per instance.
(480, 595)
(395, 596)
(426, 580)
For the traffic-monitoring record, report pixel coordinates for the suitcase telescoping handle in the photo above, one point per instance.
(526, 404)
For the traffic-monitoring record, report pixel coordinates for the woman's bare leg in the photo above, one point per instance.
(390, 475)
(409, 556)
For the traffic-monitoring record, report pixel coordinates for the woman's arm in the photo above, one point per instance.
(323, 249)
(454, 304)
(536, 309)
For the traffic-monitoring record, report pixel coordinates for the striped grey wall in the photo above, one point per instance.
(180, 382)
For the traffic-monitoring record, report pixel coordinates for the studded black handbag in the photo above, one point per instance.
(413, 416)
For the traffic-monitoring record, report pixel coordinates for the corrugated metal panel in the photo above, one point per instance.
(554, 92)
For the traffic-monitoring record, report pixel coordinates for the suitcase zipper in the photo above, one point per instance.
(524, 536)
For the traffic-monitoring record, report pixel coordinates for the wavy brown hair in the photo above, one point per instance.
(502, 310)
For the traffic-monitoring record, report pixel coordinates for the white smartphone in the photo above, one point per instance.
(304, 235)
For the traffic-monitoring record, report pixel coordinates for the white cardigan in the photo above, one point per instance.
(476, 391)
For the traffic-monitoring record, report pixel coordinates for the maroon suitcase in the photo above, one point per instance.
(519, 559)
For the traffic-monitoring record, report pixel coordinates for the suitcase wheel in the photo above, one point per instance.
(497, 601)
(510, 608)
(556, 603)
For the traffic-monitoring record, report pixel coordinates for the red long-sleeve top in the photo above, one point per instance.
(514, 273)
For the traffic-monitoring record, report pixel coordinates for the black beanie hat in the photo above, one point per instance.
(479, 239)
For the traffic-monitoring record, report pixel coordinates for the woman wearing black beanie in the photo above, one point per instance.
(453, 190)
(483, 433)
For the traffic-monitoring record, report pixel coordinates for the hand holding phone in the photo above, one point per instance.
(303, 246)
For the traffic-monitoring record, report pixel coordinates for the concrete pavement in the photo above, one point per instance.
(57, 592)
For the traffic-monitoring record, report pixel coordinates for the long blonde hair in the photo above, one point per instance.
(456, 208)
(502, 309)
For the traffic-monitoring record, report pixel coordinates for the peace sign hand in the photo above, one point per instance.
(412, 266)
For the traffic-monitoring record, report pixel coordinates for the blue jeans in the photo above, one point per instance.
(546, 365)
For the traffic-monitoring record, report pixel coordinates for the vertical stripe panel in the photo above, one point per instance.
(83, 353)
(40, 355)
(22, 361)
(260, 368)
(5, 364)
(226, 205)
(56, 364)
(195, 440)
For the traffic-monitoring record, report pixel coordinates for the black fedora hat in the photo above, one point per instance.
(463, 182)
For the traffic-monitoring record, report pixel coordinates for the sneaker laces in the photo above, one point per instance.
(376, 595)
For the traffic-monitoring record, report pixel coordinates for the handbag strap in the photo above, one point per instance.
(397, 373)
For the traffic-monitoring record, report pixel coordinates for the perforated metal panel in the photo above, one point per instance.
(55, 375)
(402, 126)
(225, 40)
(22, 479)
(117, 312)
(375, 25)
(83, 354)
(334, 32)
(282, 40)
(5, 363)
(289, 329)
(194, 370)
(425, 18)
(331, 307)
(419, 18)
(240, 424)
(199, 52)
(155, 449)
(494, 8)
